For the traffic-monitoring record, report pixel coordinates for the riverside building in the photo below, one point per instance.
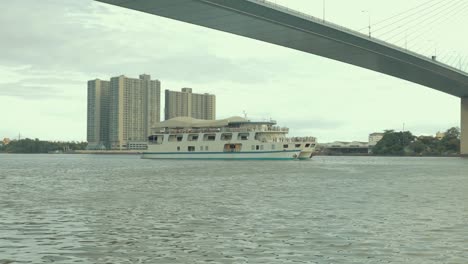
(374, 138)
(122, 111)
(188, 104)
(98, 114)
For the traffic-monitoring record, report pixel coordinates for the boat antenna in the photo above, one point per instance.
(245, 114)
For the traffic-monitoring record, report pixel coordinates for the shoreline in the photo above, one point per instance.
(393, 156)
(118, 152)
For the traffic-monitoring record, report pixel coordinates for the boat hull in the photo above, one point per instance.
(266, 155)
(305, 155)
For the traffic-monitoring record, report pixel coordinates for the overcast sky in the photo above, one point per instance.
(50, 48)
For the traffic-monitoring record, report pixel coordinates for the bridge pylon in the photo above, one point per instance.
(464, 127)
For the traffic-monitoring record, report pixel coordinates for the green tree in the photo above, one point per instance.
(404, 143)
(394, 143)
(37, 146)
(451, 141)
(418, 147)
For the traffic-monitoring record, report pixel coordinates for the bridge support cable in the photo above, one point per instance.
(464, 64)
(403, 23)
(431, 24)
(418, 13)
(400, 14)
(451, 57)
(425, 21)
(452, 60)
(430, 27)
(432, 47)
(456, 18)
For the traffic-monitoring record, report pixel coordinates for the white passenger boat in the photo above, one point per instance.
(232, 138)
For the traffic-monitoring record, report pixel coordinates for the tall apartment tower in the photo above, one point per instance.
(98, 114)
(134, 110)
(122, 111)
(186, 103)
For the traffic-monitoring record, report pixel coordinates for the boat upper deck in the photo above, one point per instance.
(183, 129)
(272, 129)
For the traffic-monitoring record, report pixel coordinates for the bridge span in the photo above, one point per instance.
(264, 21)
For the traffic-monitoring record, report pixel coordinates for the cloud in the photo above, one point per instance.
(27, 83)
(103, 40)
(25, 91)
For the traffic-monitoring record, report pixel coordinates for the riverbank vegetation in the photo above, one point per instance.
(38, 146)
(406, 144)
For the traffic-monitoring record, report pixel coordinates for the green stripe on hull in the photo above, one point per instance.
(219, 153)
(221, 158)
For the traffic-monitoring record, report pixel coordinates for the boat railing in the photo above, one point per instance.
(220, 130)
(299, 139)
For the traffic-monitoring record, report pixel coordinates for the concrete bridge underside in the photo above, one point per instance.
(258, 20)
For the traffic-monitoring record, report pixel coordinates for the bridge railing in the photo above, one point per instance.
(352, 31)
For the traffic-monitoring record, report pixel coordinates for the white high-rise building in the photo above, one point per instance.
(134, 109)
(186, 103)
(98, 114)
(125, 112)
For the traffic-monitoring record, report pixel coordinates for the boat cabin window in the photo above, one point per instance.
(273, 146)
(201, 148)
(232, 147)
(173, 138)
(243, 136)
(155, 139)
(261, 147)
(193, 137)
(178, 148)
(253, 147)
(307, 145)
(285, 146)
(209, 137)
(206, 148)
(258, 147)
(298, 145)
(191, 148)
(226, 136)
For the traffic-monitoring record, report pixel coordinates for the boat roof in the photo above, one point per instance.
(189, 122)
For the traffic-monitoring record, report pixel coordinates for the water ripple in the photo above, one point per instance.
(121, 209)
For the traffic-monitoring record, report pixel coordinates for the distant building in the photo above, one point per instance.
(343, 148)
(374, 138)
(122, 111)
(188, 104)
(134, 110)
(98, 114)
(440, 135)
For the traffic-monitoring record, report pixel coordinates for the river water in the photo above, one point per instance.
(122, 209)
